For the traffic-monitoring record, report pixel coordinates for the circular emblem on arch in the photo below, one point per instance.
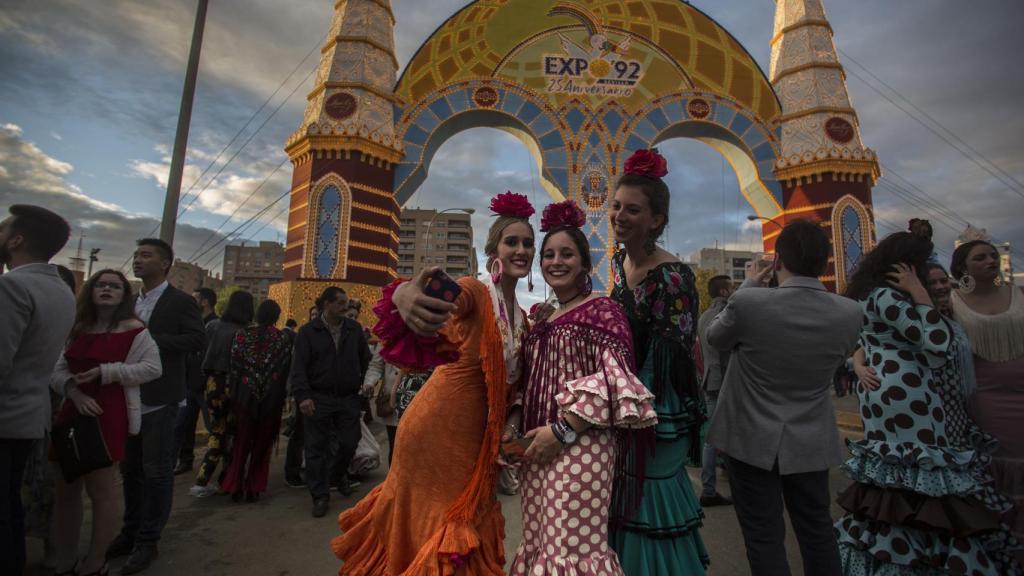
(698, 108)
(595, 186)
(485, 97)
(340, 106)
(839, 129)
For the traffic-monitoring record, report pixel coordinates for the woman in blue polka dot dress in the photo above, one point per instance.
(915, 507)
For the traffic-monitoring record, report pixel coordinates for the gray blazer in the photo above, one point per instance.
(715, 361)
(37, 310)
(776, 403)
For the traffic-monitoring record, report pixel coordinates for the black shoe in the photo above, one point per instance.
(236, 497)
(140, 559)
(320, 507)
(715, 499)
(252, 497)
(295, 482)
(121, 546)
(182, 468)
(348, 486)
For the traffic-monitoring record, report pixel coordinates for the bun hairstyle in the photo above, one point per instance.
(645, 170)
(509, 208)
(897, 248)
(566, 216)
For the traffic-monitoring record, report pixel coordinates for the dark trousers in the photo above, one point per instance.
(296, 443)
(758, 496)
(188, 419)
(250, 453)
(148, 472)
(332, 434)
(14, 453)
(392, 433)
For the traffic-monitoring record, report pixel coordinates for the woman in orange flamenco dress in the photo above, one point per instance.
(436, 513)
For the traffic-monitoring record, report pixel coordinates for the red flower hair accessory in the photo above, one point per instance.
(565, 213)
(646, 163)
(512, 204)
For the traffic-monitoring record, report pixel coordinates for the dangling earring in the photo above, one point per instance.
(529, 280)
(588, 285)
(966, 284)
(998, 281)
(496, 276)
(649, 245)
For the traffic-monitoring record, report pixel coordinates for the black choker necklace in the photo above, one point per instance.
(575, 296)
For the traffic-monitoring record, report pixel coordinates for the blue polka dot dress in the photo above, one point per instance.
(919, 504)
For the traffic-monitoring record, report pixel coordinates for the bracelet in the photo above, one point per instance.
(513, 429)
(556, 429)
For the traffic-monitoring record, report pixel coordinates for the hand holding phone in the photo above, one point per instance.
(441, 286)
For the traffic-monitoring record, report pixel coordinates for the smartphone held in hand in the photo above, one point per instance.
(441, 286)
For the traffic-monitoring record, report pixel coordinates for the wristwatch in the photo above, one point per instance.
(564, 432)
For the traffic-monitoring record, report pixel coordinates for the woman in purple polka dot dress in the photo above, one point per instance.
(582, 405)
(916, 506)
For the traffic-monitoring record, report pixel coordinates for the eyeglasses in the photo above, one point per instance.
(111, 285)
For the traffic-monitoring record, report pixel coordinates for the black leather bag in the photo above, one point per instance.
(80, 447)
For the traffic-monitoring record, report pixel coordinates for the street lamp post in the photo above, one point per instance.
(753, 218)
(468, 211)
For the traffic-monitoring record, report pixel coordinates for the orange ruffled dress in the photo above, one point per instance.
(436, 513)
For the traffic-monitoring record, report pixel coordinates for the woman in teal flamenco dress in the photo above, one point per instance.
(921, 503)
(655, 514)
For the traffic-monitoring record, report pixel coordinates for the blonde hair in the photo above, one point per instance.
(495, 233)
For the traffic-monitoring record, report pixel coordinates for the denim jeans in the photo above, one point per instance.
(148, 472)
(708, 476)
(14, 453)
(332, 434)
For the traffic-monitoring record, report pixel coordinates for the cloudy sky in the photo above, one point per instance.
(90, 96)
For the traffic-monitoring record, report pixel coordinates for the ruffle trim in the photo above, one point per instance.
(454, 545)
(861, 563)
(931, 553)
(926, 470)
(1008, 474)
(588, 399)
(404, 348)
(668, 510)
(961, 517)
(527, 563)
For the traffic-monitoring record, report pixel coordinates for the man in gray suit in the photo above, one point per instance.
(775, 417)
(37, 311)
(715, 363)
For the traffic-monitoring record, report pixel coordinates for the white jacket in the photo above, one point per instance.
(140, 366)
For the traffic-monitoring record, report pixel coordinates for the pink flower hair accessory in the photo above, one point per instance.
(646, 163)
(565, 213)
(512, 204)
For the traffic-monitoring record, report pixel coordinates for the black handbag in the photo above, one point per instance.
(80, 447)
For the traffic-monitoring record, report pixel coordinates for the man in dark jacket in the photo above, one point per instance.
(331, 357)
(185, 433)
(173, 319)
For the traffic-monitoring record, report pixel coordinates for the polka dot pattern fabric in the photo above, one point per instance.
(915, 439)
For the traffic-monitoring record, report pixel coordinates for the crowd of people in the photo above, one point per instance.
(589, 406)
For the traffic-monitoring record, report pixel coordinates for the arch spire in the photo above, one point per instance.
(820, 129)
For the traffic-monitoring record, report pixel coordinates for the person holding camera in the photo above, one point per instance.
(775, 418)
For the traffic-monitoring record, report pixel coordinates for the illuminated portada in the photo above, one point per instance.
(583, 85)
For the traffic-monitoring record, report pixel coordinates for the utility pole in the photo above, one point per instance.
(93, 257)
(170, 217)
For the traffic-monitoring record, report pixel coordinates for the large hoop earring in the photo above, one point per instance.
(586, 284)
(496, 275)
(966, 284)
(650, 246)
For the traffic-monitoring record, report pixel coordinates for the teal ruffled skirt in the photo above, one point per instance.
(661, 537)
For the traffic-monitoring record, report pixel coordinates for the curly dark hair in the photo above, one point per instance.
(86, 313)
(874, 268)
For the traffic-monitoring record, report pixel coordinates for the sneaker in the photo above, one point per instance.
(715, 499)
(296, 482)
(204, 491)
(347, 486)
(320, 507)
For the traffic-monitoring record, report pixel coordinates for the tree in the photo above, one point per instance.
(222, 297)
(701, 279)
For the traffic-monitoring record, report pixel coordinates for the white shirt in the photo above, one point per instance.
(144, 306)
(146, 302)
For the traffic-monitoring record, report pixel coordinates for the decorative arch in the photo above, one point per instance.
(330, 217)
(852, 236)
(484, 103)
